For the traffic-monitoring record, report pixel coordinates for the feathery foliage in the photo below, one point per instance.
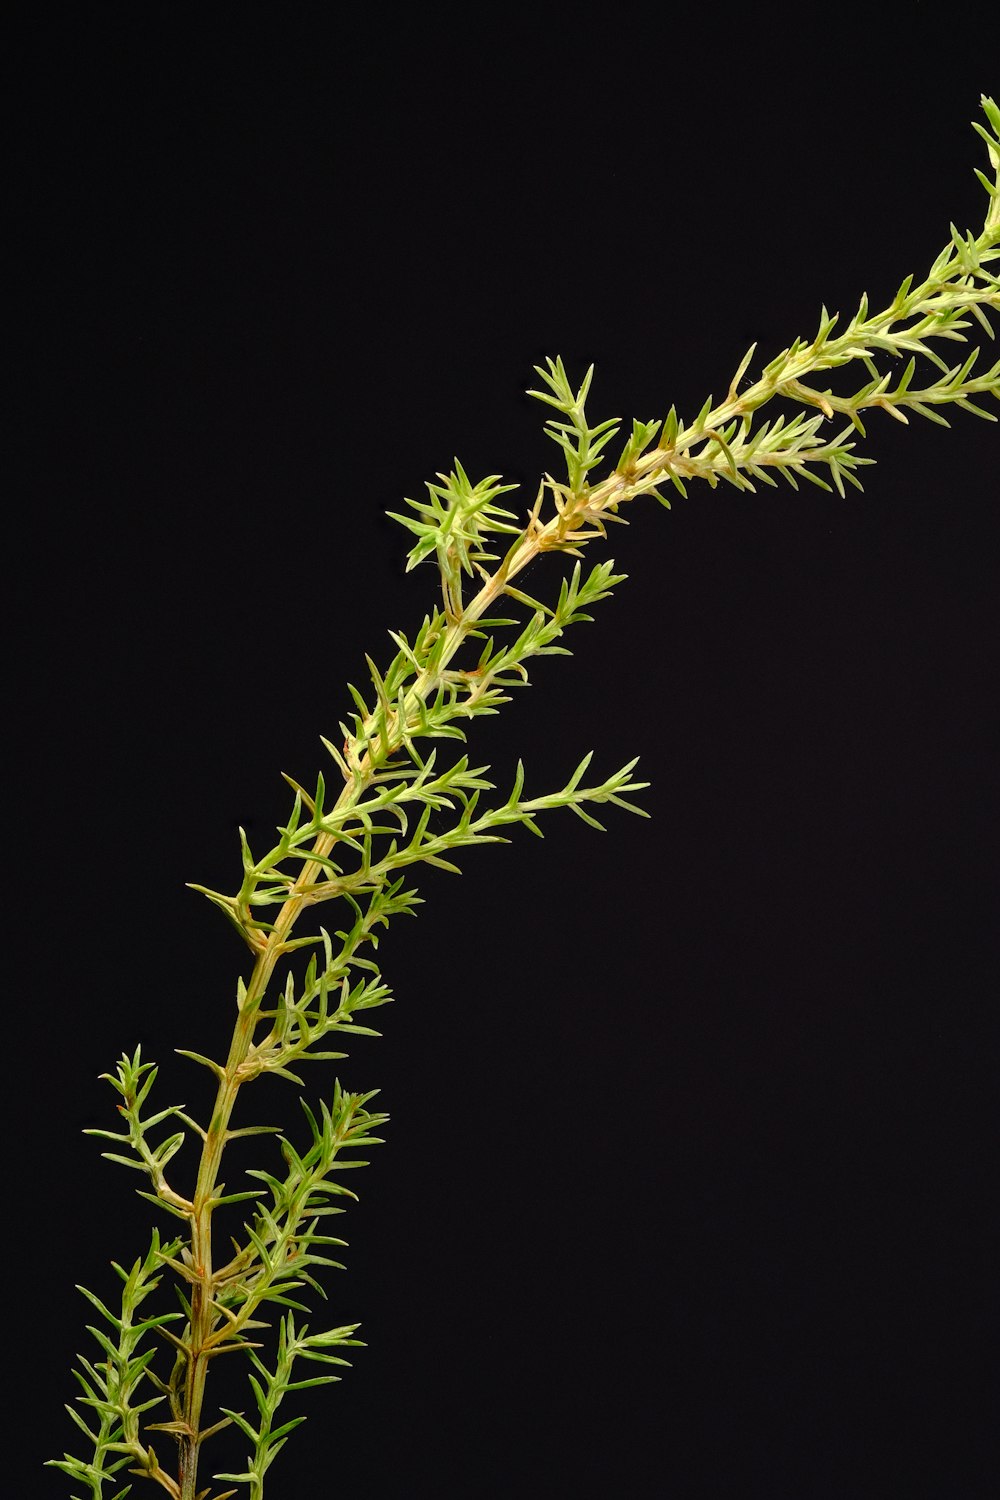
(397, 802)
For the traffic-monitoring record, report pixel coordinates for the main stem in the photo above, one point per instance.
(201, 1345)
(584, 506)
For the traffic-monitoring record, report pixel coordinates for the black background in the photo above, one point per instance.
(689, 1185)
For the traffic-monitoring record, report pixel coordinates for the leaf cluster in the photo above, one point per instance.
(283, 1239)
(133, 1080)
(725, 442)
(112, 1385)
(398, 805)
(270, 1388)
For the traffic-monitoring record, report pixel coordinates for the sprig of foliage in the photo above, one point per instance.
(110, 1386)
(723, 441)
(272, 1387)
(283, 1239)
(401, 803)
(133, 1080)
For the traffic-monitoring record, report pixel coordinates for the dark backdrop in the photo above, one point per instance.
(689, 1188)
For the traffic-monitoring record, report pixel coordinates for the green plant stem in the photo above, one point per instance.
(203, 1341)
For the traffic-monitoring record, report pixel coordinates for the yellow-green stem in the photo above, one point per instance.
(535, 540)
